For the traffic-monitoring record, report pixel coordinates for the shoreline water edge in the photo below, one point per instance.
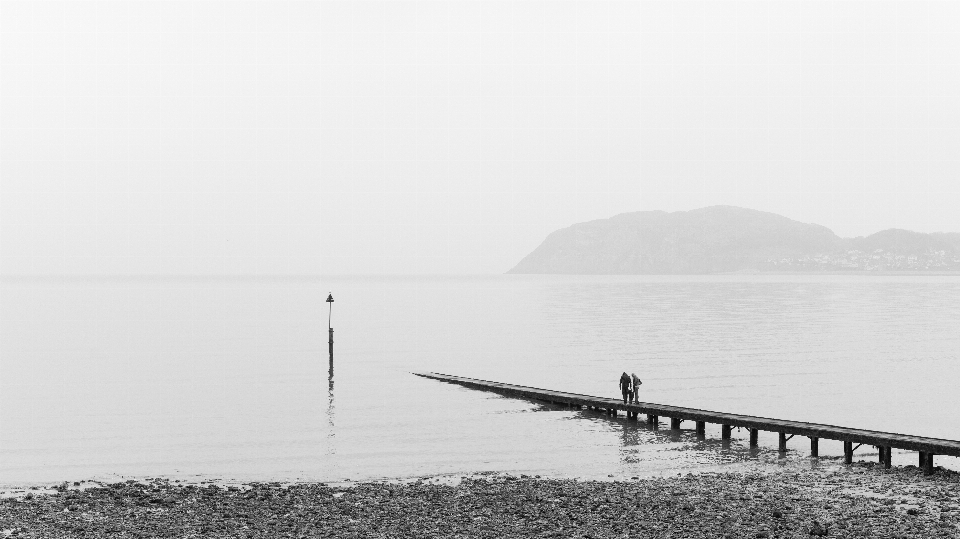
(826, 499)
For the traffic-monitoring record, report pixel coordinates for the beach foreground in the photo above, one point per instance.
(832, 501)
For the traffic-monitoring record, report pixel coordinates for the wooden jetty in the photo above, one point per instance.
(884, 441)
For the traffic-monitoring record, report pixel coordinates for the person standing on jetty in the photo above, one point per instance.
(636, 387)
(625, 387)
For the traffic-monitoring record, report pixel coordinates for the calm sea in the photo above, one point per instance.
(228, 377)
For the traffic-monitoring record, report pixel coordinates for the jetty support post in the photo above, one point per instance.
(848, 452)
(927, 463)
(675, 423)
(725, 433)
(701, 429)
(887, 457)
(880, 458)
(783, 443)
(754, 433)
(814, 446)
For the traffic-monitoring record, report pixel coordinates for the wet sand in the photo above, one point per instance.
(858, 501)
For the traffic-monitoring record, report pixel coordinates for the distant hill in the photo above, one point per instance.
(722, 239)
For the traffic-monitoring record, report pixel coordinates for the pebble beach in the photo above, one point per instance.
(828, 500)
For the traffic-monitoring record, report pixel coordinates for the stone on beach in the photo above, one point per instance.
(775, 504)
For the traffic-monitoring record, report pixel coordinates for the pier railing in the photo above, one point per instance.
(884, 441)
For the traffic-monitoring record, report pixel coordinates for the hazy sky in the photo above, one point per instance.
(452, 136)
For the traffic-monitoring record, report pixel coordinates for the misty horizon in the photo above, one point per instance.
(361, 273)
(452, 137)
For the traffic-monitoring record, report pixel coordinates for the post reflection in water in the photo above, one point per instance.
(331, 408)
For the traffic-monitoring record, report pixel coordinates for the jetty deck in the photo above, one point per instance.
(884, 441)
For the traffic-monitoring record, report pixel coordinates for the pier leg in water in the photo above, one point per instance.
(783, 443)
(928, 464)
(675, 423)
(753, 438)
(848, 452)
(701, 429)
(725, 434)
(656, 422)
(814, 446)
(880, 458)
(887, 458)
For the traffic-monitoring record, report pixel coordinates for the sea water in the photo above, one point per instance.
(229, 378)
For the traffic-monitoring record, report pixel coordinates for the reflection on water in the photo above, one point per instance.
(631, 436)
(331, 426)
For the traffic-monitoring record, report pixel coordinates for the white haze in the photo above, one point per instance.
(451, 137)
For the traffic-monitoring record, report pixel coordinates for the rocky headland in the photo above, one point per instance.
(725, 239)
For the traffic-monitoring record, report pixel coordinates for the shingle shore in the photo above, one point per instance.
(863, 501)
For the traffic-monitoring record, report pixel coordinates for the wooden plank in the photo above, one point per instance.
(924, 444)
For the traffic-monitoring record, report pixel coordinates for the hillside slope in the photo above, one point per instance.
(714, 240)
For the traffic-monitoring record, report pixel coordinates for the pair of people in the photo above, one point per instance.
(630, 387)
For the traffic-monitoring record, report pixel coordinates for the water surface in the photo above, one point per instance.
(229, 377)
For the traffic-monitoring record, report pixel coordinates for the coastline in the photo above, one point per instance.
(867, 272)
(862, 500)
(846, 272)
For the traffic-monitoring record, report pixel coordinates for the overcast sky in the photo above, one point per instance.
(453, 136)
